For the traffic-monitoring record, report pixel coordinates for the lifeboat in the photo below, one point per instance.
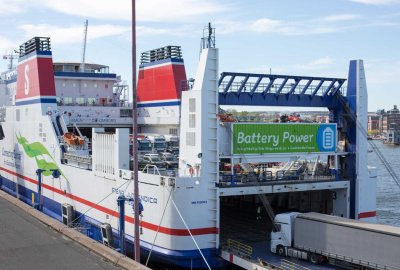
(72, 139)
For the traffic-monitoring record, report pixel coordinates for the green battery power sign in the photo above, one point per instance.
(283, 138)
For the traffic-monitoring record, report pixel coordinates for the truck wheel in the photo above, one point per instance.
(314, 258)
(280, 250)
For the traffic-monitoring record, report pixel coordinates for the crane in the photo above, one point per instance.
(10, 57)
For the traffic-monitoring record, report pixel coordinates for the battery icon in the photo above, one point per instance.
(327, 138)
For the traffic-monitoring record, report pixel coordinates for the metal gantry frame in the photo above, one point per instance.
(278, 90)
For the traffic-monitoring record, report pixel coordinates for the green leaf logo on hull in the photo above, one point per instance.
(41, 155)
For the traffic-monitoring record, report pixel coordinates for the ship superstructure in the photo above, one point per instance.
(56, 120)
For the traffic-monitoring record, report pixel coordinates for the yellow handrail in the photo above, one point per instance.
(240, 248)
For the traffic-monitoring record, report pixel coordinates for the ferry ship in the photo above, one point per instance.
(65, 135)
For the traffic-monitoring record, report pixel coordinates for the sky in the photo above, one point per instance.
(291, 37)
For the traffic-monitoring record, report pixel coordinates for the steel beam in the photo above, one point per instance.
(255, 86)
(226, 88)
(243, 84)
(317, 88)
(341, 82)
(281, 87)
(306, 86)
(293, 88)
(271, 82)
(329, 88)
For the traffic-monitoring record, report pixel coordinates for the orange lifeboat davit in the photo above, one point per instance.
(72, 139)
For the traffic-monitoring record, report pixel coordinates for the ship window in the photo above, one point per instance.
(80, 100)
(192, 120)
(74, 85)
(192, 105)
(106, 85)
(85, 85)
(190, 138)
(67, 100)
(91, 101)
(125, 113)
(17, 115)
(95, 85)
(277, 228)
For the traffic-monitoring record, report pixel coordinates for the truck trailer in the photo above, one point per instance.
(344, 242)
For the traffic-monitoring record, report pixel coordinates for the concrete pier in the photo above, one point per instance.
(31, 240)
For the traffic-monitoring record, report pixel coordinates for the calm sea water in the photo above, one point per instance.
(388, 192)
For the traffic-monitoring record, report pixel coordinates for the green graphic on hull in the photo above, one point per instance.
(39, 152)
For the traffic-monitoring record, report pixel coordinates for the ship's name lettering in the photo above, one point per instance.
(11, 164)
(11, 154)
(199, 202)
(93, 120)
(142, 198)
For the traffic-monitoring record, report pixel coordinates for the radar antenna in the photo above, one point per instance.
(208, 39)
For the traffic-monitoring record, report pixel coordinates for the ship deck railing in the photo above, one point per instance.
(267, 177)
(122, 104)
(83, 162)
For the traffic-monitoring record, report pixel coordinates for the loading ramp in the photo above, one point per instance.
(256, 256)
(240, 254)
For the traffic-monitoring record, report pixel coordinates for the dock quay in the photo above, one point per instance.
(30, 239)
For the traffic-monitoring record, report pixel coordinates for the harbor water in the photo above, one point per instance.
(388, 192)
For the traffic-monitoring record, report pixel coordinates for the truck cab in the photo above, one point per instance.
(157, 142)
(144, 147)
(172, 144)
(283, 232)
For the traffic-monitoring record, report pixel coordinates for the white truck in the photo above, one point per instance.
(144, 146)
(157, 142)
(172, 143)
(343, 242)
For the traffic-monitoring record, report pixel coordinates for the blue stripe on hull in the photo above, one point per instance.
(159, 104)
(35, 101)
(181, 258)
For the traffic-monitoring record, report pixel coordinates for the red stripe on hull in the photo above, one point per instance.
(147, 225)
(367, 214)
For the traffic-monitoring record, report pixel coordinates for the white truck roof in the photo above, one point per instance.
(351, 223)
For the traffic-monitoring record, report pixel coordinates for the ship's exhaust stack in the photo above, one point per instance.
(161, 73)
(35, 75)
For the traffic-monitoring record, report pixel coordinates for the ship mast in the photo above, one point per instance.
(85, 27)
(135, 135)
